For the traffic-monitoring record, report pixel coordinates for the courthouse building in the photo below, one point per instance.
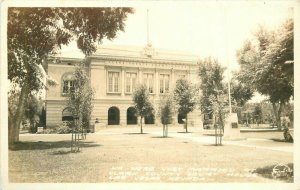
(114, 73)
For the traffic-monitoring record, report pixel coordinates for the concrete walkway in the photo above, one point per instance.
(196, 135)
(247, 142)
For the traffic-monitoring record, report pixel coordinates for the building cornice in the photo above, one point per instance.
(143, 60)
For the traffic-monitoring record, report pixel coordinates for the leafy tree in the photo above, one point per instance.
(257, 114)
(33, 109)
(213, 90)
(184, 95)
(80, 97)
(218, 107)
(34, 33)
(267, 65)
(43, 117)
(240, 92)
(142, 103)
(166, 112)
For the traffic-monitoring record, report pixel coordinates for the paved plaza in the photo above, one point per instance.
(121, 154)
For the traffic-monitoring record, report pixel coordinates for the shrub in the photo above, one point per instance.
(63, 128)
(287, 136)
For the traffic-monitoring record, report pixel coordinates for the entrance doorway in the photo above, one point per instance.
(67, 115)
(113, 116)
(131, 116)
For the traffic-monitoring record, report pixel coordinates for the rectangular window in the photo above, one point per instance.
(161, 85)
(130, 82)
(68, 86)
(148, 81)
(164, 83)
(65, 87)
(113, 81)
(110, 82)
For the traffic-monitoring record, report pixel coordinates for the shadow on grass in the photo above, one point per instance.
(135, 133)
(267, 173)
(209, 134)
(42, 145)
(280, 140)
(161, 137)
(213, 145)
(61, 152)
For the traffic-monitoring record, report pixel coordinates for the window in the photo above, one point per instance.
(130, 82)
(113, 81)
(68, 86)
(67, 83)
(164, 83)
(148, 81)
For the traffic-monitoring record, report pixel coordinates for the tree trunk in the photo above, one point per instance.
(16, 118)
(167, 130)
(163, 130)
(141, 125)
(216, 134)
(186, 124)
(277, 113)
(11, 131)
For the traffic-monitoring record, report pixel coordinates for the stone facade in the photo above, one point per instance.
(114, 72)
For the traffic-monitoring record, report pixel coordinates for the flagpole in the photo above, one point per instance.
(148, 26)
(228, 65)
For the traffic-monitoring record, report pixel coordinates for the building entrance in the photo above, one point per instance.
(113, 116)
(131, 116)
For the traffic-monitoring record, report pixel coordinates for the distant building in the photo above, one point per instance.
(114, 73)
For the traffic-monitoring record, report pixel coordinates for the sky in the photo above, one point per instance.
(211, 29)
(204, 30)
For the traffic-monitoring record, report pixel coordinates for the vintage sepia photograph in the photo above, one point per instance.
(182, 94)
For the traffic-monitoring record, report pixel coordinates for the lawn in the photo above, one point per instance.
(123, 155)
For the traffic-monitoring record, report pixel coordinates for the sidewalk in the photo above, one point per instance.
(248, 142)
(195, 134)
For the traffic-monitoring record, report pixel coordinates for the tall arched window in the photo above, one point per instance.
(67, 83)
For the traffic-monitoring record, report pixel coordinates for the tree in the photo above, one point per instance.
(240, 92)
(35, 33)
(184, 95)
(33, 110)
(166, 112)
(257, 114)
(214, 99)
(267, 65)
(142, 103)
(80, 98)
(218, 107)
(211, 77)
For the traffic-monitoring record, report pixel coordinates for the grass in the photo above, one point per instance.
(47, 158)
(41, 145)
